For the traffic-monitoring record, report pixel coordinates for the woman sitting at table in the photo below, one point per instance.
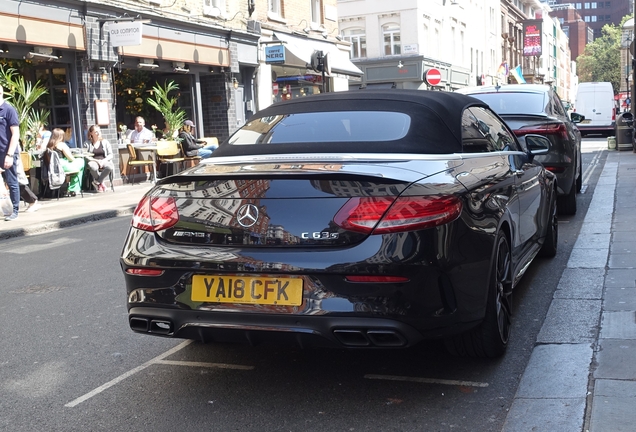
(69, 163)
(101, 162)
(193, 146)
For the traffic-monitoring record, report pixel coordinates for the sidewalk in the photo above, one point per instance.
(70, 211)
(582, 372)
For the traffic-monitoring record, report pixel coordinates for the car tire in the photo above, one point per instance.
(549, 248)
(490, 338)
(579, 178)
(567, 203)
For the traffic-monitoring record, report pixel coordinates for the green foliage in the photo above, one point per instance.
(173, 115)
(22, 95)
(133, 89)
(601, 59)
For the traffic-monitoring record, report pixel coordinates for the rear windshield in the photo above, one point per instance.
(514, 103)
(336, 126)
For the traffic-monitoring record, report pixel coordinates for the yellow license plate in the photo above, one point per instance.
(285, 291)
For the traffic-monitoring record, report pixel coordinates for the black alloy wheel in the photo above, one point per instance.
(549, 248)
(490, 338)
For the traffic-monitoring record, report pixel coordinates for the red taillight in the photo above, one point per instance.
(555, 170)
(155, 214)
(382, 215)
(144, 272)
(545, 129)
(376, 279)
(613, 114)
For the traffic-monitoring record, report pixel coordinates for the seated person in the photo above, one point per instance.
(69, 163)
(141, 134)
(101, 163)
(42, 139)
(193, 146)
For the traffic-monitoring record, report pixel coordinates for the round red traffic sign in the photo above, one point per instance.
(433, 76)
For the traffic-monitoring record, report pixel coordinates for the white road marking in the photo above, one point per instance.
(131, 372)
(27, 249)
(203, 364)
(427, 380)
(157, 360)
(590, 168)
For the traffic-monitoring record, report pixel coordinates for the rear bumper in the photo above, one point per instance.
(596, 128)
(306, 331)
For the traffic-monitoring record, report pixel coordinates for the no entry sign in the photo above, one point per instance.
(433, 76)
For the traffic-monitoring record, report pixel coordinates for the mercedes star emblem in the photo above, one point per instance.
(247, 215)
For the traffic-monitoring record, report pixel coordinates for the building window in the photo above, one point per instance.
(358, 40)
(316, 11)
(586, 6)
(273, 6)
(586, 19)
(593, 18)
(214, 7)
(392, 44)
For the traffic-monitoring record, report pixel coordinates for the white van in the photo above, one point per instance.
(595, 100)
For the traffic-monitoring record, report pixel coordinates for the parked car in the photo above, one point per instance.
(368, 219)
(537, 109)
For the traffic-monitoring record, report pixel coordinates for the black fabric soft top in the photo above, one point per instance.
(436, 121)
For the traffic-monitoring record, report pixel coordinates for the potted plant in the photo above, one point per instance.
(173, 115)
(22, 95)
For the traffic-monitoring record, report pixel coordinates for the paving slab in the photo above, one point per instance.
(571, 321)
(613, 406)
(621, 278)
(556, 372)
(618, 325)
(619, 299)
(615, 359)
(581, 283)
(588, 258)
(533, 415)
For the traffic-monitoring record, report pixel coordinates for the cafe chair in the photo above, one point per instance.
(186, 158)
(134, 162)
(169, 153)
(46, 159)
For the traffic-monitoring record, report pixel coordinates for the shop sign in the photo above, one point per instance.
(275, 54)
(125, 33)
(275, 88)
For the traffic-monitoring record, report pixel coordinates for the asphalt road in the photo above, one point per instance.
(70, 363)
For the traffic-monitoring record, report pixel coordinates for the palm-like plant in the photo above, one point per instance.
(22, 95)
(173, 115)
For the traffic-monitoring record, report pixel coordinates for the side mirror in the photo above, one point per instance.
(535, 145)
(576, 117)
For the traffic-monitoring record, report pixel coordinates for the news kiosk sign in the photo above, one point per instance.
(532, 31)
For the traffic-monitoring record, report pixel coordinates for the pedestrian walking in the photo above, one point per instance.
(10, 152)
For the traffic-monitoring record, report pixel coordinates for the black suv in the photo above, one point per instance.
(537, 109)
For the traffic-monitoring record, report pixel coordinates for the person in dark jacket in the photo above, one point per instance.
(193, 146)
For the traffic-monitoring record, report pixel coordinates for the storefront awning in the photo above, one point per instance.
(41, 32)
(298, 52)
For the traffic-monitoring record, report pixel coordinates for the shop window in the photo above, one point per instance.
(358, 40)
(392, 43)
(56, 101)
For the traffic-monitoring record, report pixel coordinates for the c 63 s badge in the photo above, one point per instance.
(320, 235)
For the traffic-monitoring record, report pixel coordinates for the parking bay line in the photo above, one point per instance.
(427, 380)
(157, 360)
